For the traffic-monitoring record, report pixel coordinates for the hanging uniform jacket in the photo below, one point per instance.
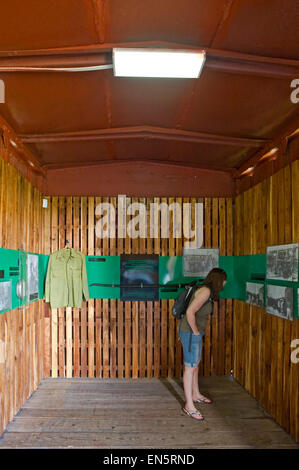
(66, 279)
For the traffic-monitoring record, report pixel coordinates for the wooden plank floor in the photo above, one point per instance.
(141, 413)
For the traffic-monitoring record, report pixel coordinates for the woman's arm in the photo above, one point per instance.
(201, 296)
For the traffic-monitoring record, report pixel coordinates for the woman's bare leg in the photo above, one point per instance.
(188, 379)
(195, 390)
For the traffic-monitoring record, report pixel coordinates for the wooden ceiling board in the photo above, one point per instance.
(261, 27)
(54, 102)
(185, 21)
(37, 24)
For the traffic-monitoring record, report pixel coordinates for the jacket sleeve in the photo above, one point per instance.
(48, 281)
(84, 278)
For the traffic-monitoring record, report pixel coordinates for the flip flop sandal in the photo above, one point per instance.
(204, 400)
(191, 413)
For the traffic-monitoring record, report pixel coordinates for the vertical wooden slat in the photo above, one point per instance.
(215, 317)
(142, 305)
(47, 311)
(61, 311)
(179, 252)
(69, 331)
(83, 317)
(76, 316)
(222, 252)
(164, 303)
(149, 305)
(135, 313)
(157, 311)
(207, 244)
(106, 332)
(127, 304)
(171, 322)
(142, 354)
(98, 309)
(128, 340)
(113, 303)
(54, 315)
(229, 303)
(91, 236)
(120, 311)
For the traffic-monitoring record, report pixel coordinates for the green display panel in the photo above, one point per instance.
(246, 268)
(42, 270)
(171, 272)
(103, 272)
(13, 269)
(107, 270)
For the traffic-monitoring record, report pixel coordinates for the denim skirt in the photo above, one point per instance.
(192, 357)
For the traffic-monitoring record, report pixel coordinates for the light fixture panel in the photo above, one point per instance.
(157, 63)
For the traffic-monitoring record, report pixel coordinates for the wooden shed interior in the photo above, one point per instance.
(79, 137)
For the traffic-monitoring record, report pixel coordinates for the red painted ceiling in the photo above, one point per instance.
(237, 107)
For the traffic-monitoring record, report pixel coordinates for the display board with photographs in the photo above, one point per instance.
(280, 301)
(5, 296)
(198, 262)
(282, 262)
(32, 277)
(255, 294)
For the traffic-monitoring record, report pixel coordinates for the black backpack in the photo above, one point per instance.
(181, 303)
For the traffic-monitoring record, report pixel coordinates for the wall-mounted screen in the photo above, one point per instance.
(136, 273)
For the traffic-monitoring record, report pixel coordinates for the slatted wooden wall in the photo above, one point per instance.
(21, 330)
(268, 214)
(112, 338)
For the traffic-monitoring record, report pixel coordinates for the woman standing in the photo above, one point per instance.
(191, 330)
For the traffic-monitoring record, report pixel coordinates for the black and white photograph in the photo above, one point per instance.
(255, 293)
(32, 277)
(280, 301)
(5, 295)
(282, 262)
(199, 261)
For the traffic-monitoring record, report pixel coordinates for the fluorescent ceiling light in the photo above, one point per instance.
(157, 63)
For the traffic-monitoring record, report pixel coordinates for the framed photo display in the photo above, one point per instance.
(198, 262)
(255, 293)
(280, 301)
(5, 296)
(32, 277)
(282, 262)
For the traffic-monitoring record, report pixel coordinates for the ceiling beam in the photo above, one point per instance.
(280, 141)
(142, 132)
(101, 54)
(14, 145)
(156, 162)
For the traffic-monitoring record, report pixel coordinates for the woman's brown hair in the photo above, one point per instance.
(214, 280)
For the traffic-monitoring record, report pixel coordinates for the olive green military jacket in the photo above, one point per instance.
(66, 279)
